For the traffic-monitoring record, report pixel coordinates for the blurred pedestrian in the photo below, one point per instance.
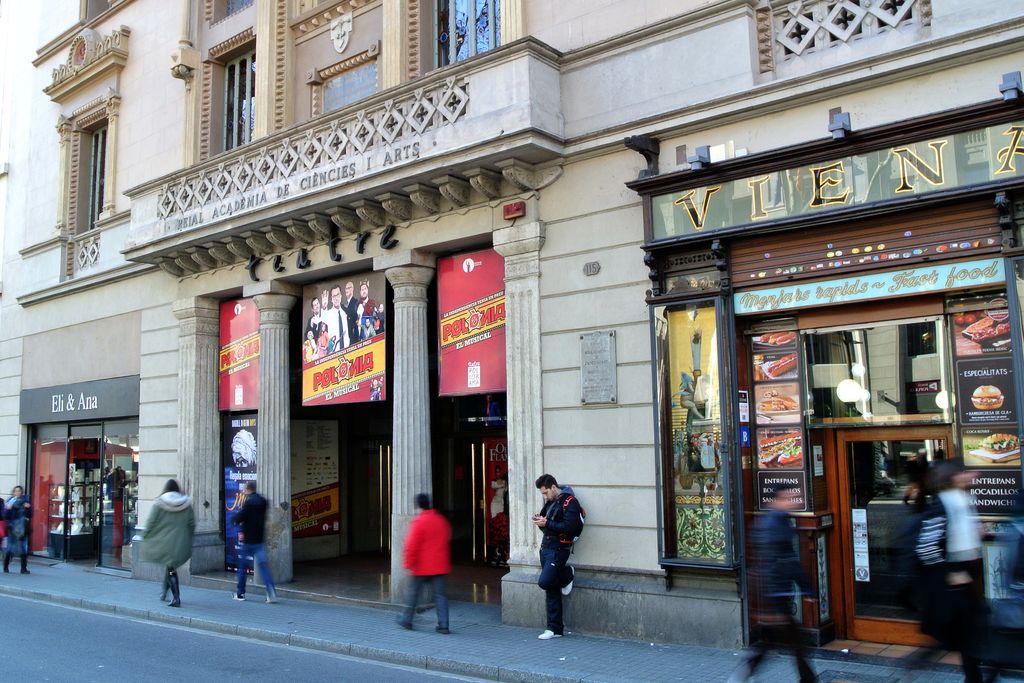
(953, 609)
(1005, 642)
(776, 568)
(168, 536)
(17, 515)
(252, 518)
(427, 556)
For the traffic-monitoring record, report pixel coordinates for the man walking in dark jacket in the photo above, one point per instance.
(561, 523)
(776, 568)
(252, 518)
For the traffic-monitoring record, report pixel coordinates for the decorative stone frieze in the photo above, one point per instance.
(805, 26)
(254, 173)
(91, 57)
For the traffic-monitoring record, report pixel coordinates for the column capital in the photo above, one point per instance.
(273, 308)
(519, 239)
(409, 282)
(271, 287)
(195, 307)
(405, 257)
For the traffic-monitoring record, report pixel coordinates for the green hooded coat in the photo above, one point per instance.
(168, 535)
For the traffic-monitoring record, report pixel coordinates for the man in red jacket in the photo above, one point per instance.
(428, 559)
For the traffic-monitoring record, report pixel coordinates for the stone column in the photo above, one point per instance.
(409, 273)
(199, 470)
(395, 48)
(520, 245)
(273, 438)
(63, 174)
(512, 20)
(113, 106)
(273, 57)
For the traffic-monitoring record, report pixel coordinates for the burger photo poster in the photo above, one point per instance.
(986, 392)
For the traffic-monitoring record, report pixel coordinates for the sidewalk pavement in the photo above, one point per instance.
(479, 645)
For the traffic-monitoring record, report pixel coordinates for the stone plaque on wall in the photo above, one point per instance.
(597, 368)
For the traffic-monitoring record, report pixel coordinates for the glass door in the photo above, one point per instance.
(83, 492)
(119, 492)
(47, 489)
(878, 470)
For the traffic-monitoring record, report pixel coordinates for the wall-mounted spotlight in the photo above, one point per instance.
(839, 124)
(1011, 87)
(700, 158)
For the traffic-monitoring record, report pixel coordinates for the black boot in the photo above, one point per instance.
(24, 564)
(172, 578)
(7, 562)
(167, 587)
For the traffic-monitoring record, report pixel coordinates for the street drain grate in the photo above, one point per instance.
(833, 676)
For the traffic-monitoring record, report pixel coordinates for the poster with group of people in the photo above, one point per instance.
(343, 340)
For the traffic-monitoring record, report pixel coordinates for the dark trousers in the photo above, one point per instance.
(553, 577)
(780, 631)
(439, 584)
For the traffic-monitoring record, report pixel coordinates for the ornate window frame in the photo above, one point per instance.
(316, 79)
(92, 62)
(211, 106)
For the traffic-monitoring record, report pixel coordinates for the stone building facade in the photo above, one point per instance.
(168, 157)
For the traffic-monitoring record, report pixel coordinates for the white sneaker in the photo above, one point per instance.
(271, 597)
(566, 589)
(239, 598)
(548, 635)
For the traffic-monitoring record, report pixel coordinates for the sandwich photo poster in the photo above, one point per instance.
(779, 437)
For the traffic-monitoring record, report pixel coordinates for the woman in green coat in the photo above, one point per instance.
(168, 536)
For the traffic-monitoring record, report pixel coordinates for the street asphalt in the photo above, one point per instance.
(479, 645)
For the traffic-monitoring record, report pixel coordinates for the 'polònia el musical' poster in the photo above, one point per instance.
(343, 340)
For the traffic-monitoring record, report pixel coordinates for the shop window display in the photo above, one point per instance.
(694, 478)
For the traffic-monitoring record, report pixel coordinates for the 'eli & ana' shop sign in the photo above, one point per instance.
(943, 163)
(884, 285)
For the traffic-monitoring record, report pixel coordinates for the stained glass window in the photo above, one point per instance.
(695, 475)
(465, 28)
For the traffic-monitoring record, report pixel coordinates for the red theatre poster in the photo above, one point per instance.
(471, 305)
(496, 494)
(343, 340)
(239, 355)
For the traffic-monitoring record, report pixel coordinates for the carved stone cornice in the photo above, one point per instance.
(346, 219)
(187, 263)
(370, 211)
(528, 177)
(203, 258)
(239, 247)
(319, 226)
(218, 51)
(320, 19)
(396, 205)
(280, 238)
(425, 197)
(171, 268)
(300, 231)
(455, 190)
(90, 58)
(259, 243)
(221, 252)
(484, 181)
